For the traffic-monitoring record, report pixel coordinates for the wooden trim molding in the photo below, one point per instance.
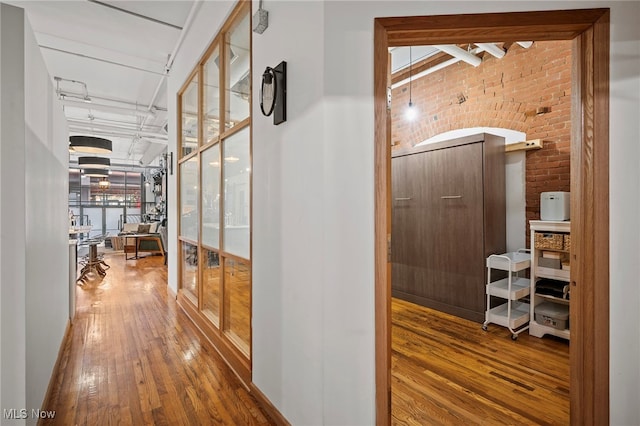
(489, 27)
(589, 182)
(382, 178)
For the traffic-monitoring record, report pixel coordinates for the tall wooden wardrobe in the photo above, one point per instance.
(448, 215)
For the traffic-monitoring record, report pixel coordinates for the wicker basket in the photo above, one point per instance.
(567, 242)
(549, 240)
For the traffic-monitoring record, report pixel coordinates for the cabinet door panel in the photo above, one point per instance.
(457, 230)
(437, 226)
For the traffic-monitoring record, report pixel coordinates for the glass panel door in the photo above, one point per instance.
(112, 216)
(211, 286)
(211, 197)
(190, 270)
(95, 215)
(189, 199)
(237, 172)
(237, 311)
(189, 99)
(238, 81)
(211, 102)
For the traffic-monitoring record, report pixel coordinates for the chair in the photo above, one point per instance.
(93, 261)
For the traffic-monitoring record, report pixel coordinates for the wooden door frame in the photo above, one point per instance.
(589, 30)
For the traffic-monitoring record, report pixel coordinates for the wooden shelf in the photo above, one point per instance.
(524, 145)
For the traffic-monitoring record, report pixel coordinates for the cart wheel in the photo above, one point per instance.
(514, 337)
(484, 327)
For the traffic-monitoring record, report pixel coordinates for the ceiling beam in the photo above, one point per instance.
(137, 15)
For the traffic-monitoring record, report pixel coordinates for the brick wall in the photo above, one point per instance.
(500, 93)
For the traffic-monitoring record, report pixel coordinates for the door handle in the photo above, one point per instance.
(403, 199)
(450, 197)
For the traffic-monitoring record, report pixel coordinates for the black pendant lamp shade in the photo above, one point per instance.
(90, 144)
(96, 172)
(94, 162)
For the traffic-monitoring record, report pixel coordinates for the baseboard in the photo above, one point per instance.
(171, 293)
(56, 367)
(271, 410)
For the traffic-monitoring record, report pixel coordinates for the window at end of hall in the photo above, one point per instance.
(214, 184)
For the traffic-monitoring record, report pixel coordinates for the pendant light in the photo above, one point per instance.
(104, 184)
(94, 162)
(411, 112)
(90, 144)
(101, 173)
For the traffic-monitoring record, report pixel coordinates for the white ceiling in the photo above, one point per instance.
(117, 53)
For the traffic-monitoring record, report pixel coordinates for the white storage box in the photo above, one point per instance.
(555, 205)
(553, 315)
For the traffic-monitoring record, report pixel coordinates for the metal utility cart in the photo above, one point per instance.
(514, 313)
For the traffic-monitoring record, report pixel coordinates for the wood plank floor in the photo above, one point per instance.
(448, 371)
(134, 358)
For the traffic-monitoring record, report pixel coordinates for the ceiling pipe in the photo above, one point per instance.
(462, 54)
(77, 95)
(172, 55)
(492, 49)
(94, 58)
(170, 59)
(107, 126)
(107, 108)
(137, 15)
(103, 130)
(525, 44)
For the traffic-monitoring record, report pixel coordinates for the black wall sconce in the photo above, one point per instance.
(273, 93)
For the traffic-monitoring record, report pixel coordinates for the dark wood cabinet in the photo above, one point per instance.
(448, 215)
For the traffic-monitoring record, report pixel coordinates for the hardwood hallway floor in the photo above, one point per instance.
(448, 371)
(134, 358)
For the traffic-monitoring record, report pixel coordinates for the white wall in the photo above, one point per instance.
(33, 202)
(47, 222)
(12, 202)
(292, 295)
(624, 207)
(313, 254)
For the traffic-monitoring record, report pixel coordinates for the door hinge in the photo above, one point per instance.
(388, 98)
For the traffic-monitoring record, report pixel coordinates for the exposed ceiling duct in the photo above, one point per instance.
(430, 62)
(492, 49)
(460, 53)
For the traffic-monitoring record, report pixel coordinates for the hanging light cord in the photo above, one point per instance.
(410, 82)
